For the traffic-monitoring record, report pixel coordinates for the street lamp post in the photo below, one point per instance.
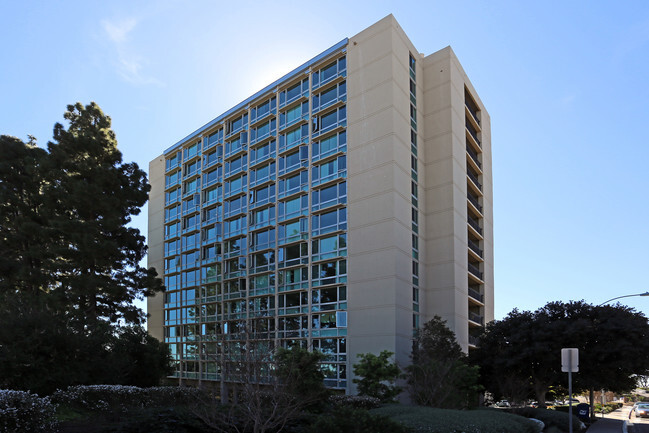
(625, 296)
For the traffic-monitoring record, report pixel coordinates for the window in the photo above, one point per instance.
(262, 174)
(236, 226)
(329, 247)
(263, 217)
(411, 64)
(172, 179)
(329, 296)
(211, 234)
(291, 279)
(262, 240)
(172, 213)
(293, 92)
(263, 261)
(212, 195)
(262, 131)
(293, 231)
(330, 120)
(329, 221)
(293, 160)
(328, 146)
(293, 137)
(210, 253)
(236, 185)
(294, 207)
(211, 215)
(190, 241)
(329, 196)
(262, 152)
(172, 196)
(237, 124)
(172, 161)
(329, 72)
(293, 184)
(329, 273)
(235, 247)
(191, 186)
(263, 109)
(172, 230)
(191, 222)
(235, 206)
(329, 170)
(191, 151)
(294, 114)
(329, 96)
(294, 255)
(192, 168)
(236, 165)
(215, 138)
(262, 196)
(213, 176)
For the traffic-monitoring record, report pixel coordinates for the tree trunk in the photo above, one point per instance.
(540, 391)
(591, 399)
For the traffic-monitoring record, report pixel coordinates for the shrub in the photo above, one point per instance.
(120, 398)
(430, 420)
(22, 411)
(354, 401)
(101, 398)
(551, 418)
(348, 420)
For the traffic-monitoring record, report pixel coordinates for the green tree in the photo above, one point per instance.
(298, 370)
(613, 343)
(440, 375)
(25, 262)
(376, 376)
(137, 358)
(69, 264)
(93, 195)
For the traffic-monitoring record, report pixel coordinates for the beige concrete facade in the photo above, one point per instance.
(155, 257)
(419, 231)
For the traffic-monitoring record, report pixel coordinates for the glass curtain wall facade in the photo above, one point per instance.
(255, 226)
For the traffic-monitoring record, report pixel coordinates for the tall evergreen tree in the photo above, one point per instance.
(24, 259)
(93, 195)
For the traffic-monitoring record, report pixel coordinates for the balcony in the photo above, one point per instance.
(473, 340)
(474, 224)
(474, 156)
(474, 270)
(475, 202)
(473, 133)
(477, 318)
(474, 179)
(475, 248)
(476, 295)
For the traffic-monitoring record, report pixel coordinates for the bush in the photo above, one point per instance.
(348, 420)
(101, 398)
(22, 411)
(551, 418)
(423, 419)
(120, 398)
(354, 401)
(165, 420)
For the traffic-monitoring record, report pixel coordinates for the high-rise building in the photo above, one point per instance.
(339, 208)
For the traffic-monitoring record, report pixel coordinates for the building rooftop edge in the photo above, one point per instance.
(256, 95)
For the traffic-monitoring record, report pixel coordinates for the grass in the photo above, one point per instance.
(429, 420)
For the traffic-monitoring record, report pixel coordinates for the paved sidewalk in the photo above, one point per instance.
(614, 422)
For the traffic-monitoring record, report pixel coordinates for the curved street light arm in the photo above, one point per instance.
(625, 296)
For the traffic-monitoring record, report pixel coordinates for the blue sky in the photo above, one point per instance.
(565, 83)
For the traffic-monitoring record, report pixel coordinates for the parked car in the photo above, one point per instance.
(503, 403)
(642, 410)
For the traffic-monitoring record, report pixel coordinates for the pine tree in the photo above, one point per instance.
(93, 195)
